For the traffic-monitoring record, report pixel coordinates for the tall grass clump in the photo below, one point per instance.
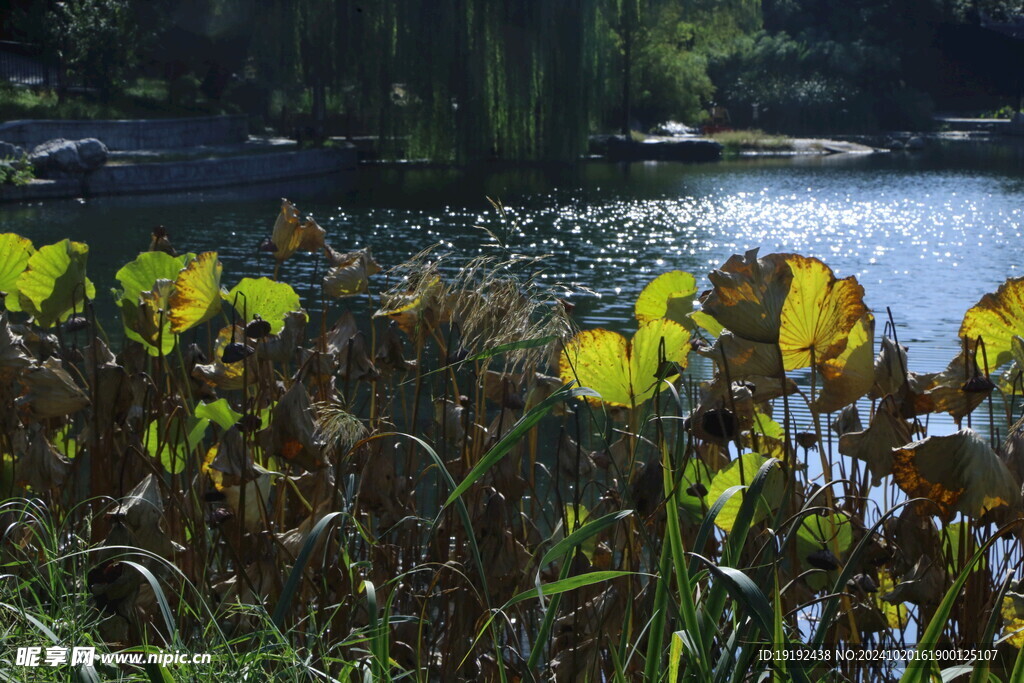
(430, 473)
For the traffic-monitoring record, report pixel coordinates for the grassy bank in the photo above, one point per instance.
(754, 140)
(438, 476)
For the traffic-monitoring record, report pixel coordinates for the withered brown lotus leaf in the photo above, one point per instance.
(955, 390)
(958, 472)
(875, 444)
(742, 358)
(50, 391)
(851, 374)
(924, 584)
(350, 273)
(848, 420)
(502, 389)
(749, 294)
(890, 369)
(257, 500)
(13, 355)
(108, 381)
(290, 236)
(292, 432)
(354, 360)
(280, 347)
(141, 511)
(997, 318)
(227, 375)
(415, 311)
(41, 466)
(389, 356)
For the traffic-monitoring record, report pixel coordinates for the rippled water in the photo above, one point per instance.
(926, 234)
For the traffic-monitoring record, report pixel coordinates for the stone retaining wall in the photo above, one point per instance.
(131, 134)
(177, 176)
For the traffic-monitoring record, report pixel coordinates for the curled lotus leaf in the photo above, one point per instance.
(292, 433)
(53, 284)
(670, 295)
(875, 444)
(749, 294)
(281, 347)
(851, 374)
(706, 323)
(197, 296)
(350, 273)
(819, 313)
(958, 473)
(890, 369)
(151, 325)
(223, 375)
(625, 373)
(957, 390)
(15, 252)
(997, 318)
(266, 298)
(41, 466)
(291, 235)
(741, 358)
(143, 276)
(415, 311)
(50, 391)
(14, 357)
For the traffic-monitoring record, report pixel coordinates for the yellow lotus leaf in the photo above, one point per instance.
(625, 373)
(819, 313)
(290, 235)
(350, 273)
(197, 296)
(706, 322)
(959, 473)
(997, 318)
(874, 445)
(670, 295)
(15, 252)
(851, 374)
(749, 294)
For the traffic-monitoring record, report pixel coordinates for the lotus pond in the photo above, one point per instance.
(594, 434)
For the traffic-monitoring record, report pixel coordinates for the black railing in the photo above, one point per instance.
(22, 64)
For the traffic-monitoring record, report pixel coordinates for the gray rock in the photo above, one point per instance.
(915, 144)
(9, 151)
(60, 157)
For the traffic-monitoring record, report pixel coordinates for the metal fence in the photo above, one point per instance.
(21, 64)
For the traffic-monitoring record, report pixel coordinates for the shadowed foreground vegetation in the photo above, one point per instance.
(429, 473)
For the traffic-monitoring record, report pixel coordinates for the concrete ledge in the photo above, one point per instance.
(178, 176)
(130, 134)
(619, 148)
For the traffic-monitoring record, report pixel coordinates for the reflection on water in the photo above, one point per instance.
(925, 234)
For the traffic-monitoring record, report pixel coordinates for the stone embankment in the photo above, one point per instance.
(160, 155)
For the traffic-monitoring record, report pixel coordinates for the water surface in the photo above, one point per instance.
(926, 234)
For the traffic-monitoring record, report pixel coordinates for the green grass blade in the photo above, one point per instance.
(295, 577)
(919, 670)
(512, 437)
(577, 537)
